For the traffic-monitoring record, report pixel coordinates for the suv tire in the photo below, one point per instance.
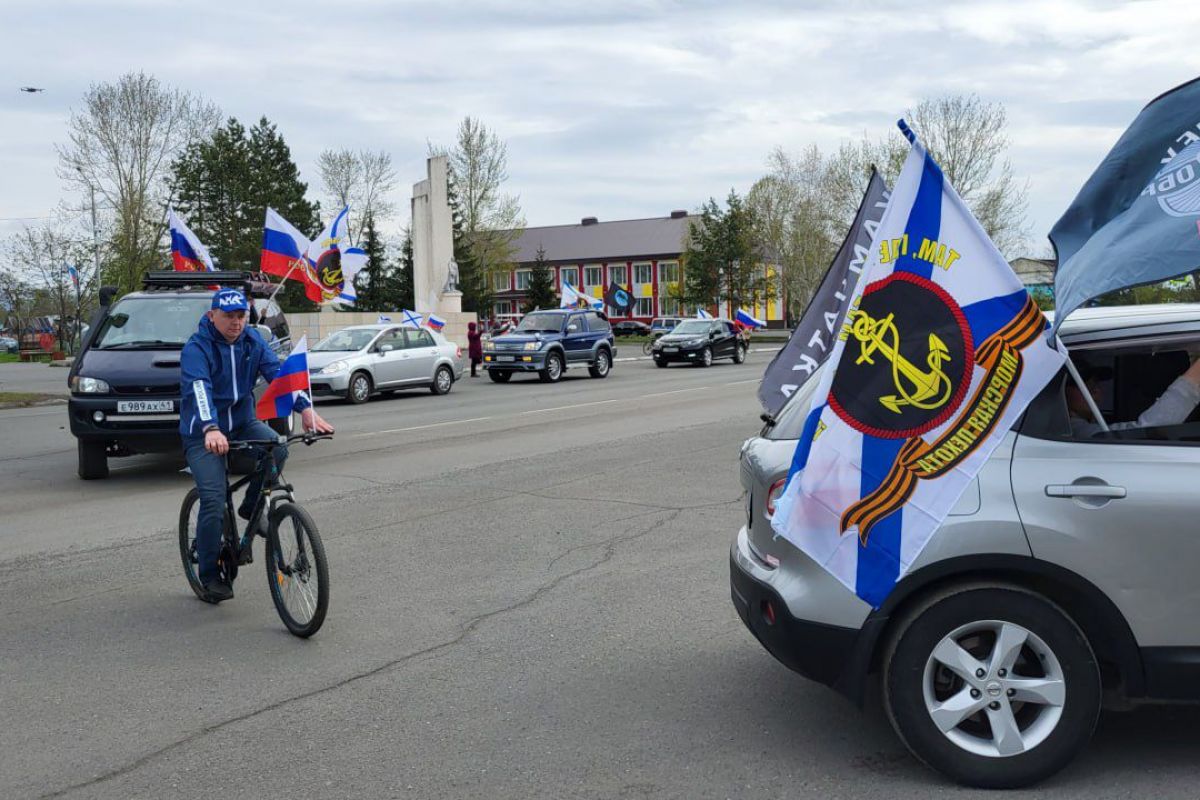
(93, 460)
(554, 368)
(499, 376)
(979, 660)
(739, 353)
(603, 364)
(706, 358)
(359, 390)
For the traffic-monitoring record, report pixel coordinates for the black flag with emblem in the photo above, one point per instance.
(812, 341)
(618, 298)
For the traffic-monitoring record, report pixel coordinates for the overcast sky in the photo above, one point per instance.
(615, 110)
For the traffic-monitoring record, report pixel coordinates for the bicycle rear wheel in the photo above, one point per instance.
(296, 570)
(189, 514)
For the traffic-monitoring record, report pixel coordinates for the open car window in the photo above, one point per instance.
(1128, 378)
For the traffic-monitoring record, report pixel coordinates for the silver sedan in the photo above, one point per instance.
(362, 360)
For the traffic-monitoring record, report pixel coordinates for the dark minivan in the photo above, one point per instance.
(125, 382)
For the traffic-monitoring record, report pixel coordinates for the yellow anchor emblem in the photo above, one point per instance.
(914, 387)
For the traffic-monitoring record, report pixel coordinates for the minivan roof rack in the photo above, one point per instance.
(256, 284)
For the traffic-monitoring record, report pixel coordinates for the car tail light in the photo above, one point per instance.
(773, 495)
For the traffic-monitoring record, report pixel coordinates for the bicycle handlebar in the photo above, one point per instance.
(307, 438)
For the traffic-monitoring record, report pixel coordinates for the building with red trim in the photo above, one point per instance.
(641, 254)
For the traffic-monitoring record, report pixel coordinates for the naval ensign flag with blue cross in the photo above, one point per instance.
(941, 350)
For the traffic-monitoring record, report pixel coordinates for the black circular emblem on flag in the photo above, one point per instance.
(329, 269)
(907, 362)
(622, 298)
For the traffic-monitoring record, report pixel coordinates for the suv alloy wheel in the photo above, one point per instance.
(602, 366)
(994, 686)
(554, 368)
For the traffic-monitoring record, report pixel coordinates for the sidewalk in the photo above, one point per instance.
(36, 377)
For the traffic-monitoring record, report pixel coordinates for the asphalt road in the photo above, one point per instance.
(529, 599)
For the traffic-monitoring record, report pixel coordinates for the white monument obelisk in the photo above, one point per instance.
(435, 276)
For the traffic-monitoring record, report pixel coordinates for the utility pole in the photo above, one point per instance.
(95, 230)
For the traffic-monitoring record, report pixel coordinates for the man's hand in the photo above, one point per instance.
(1193, 373)
(313, 421)
(215, 442)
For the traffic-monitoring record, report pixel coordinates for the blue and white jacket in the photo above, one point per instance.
(217, 380)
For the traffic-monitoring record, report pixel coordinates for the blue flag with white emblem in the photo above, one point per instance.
(941, 350)
(1137, 219)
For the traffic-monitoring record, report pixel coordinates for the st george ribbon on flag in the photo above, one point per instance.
(941, 350)
(1137, 219)
(812, 340)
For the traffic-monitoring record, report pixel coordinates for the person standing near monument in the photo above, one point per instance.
(474, 347)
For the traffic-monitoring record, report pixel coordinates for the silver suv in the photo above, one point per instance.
(1064, 579)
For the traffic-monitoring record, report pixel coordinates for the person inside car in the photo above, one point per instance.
(219, 366)
(1171, 408)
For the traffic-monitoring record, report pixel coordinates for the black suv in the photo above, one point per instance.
(699, 342)
(125, 382)
(551, 342)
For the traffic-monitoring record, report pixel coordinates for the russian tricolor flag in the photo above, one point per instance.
(435, 322)
(282, 246)
(748, 319)
(187, 254)
(290, 382)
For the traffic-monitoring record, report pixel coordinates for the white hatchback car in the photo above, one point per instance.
(362, 360)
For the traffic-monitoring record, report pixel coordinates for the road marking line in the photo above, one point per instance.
(738, 383)
(418, 427)
(676, 391)
(578, 405)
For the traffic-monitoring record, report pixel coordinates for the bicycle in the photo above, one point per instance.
(648, 345)
(295, 558)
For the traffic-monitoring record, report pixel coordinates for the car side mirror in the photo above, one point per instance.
(386, 348)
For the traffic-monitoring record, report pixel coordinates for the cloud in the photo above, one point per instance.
(616, 110)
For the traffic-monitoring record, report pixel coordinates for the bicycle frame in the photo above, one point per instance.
(265, 465)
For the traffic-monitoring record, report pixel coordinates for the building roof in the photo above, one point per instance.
(1034, 271)
(594, 241)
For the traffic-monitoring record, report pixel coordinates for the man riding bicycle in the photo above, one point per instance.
(219, 366)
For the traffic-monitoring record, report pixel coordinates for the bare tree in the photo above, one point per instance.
(491, 219)
(120, 145)
(40, 256)
(362, 180)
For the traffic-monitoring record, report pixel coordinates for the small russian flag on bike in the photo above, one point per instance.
(279, 400)
(187, 254)
(749, 320)
(435, 322)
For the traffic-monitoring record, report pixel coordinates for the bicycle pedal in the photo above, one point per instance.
(245, 556)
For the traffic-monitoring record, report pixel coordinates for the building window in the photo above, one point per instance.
(500, 281)
(569, 275)
(668, 306)
(593, 276)
(619, 274)
(523, 279)
(503, 307)
(642, 273)
(668, 272)
(645, 307)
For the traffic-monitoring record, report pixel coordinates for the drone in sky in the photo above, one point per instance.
(31, 89)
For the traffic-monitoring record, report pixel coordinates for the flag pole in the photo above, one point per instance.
(295, 264)
(1082, 386)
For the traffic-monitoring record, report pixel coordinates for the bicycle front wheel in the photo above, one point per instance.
(296, 570)
(647, 347)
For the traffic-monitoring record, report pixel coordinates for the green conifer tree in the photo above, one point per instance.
(541, 284)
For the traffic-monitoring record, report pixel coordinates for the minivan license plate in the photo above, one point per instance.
(144, 406)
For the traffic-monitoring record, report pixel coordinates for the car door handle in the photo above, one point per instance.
(1084, 490)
